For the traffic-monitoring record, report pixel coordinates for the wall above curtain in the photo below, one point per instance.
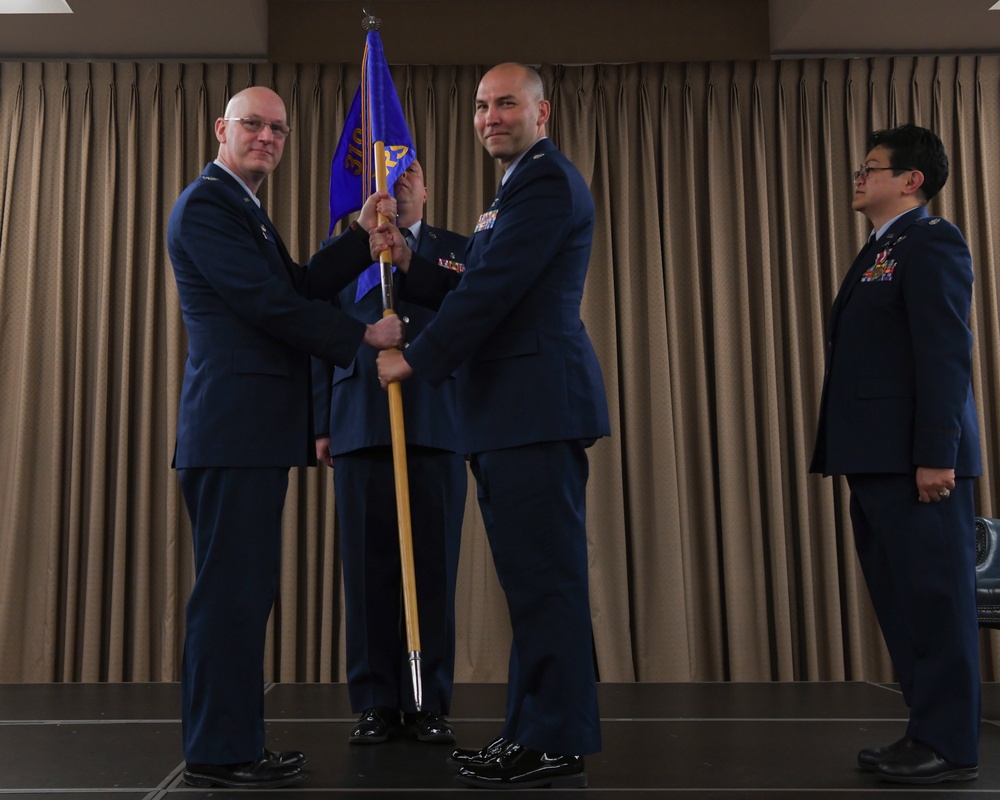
(414, 31)
(481, 32)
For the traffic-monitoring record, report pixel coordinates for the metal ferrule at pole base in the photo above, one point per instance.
(418, 688)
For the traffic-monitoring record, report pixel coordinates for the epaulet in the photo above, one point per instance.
(242, 194)
(929, 220)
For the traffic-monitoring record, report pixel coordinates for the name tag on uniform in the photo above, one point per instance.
(487, 220)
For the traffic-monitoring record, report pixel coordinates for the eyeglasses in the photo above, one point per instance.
(256, 125)
(864, 169)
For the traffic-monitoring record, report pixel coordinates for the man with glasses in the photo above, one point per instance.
(897, 418)
(253, 318)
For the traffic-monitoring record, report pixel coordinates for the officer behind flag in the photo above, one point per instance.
(353, 437)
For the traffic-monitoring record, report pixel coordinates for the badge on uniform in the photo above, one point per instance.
(882, 269)
(486, 221)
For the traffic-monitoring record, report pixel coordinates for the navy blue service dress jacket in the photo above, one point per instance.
(898, 391)
(527, 371)
(350, 406)
(253, 316)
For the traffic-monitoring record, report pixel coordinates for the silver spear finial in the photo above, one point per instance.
(370, 22)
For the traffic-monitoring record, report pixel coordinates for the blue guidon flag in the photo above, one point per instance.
(375, 116)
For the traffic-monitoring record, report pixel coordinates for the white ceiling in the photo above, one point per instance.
(34, 7)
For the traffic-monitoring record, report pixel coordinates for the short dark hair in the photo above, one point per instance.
(913, 147)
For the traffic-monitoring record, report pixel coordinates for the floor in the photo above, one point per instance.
(705, 741)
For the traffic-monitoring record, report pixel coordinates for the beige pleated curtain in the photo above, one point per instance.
(723, 230)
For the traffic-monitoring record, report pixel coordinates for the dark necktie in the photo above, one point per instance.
(408, 238)
(861, 262)
(372, 276)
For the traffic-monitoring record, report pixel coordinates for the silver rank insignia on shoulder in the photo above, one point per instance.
(537, 156)
(209, 178)
(934, 221)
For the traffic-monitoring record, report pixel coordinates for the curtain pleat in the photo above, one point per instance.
(723, 230)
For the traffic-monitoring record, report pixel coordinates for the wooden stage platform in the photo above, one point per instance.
(704, 741)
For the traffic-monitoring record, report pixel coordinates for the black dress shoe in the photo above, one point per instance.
(462, 757)
(429, 727)
(260, 774)
(285, 758)
(517, 767)
(869, 757)
(918, 763)
(375, 725)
